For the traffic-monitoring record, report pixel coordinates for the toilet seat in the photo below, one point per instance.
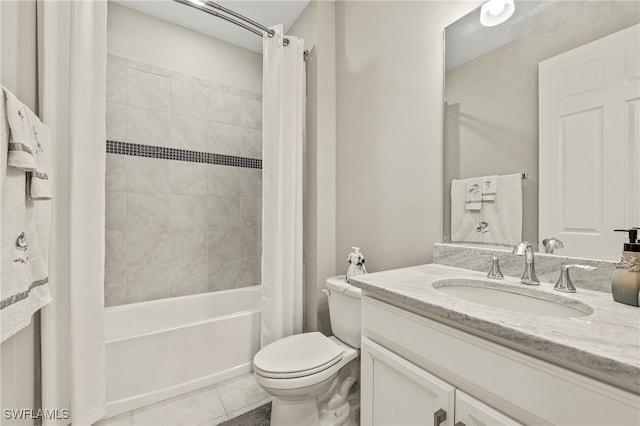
(298, 383)
(297, 356)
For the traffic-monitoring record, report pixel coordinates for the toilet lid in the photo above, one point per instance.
(297, 355)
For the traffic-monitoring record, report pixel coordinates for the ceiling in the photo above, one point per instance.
(265, 12)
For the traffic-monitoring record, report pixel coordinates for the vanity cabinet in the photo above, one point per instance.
(397, 392)
(471, 412)
(414, 366)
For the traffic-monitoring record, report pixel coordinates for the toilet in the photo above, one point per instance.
(310, 374)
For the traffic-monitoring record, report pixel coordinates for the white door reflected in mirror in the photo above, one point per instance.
(590, 144)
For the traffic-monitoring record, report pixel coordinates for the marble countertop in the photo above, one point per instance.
(604, 345)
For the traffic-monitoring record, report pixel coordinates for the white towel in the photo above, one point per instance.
(24, 237)
(29, 146)
(464, 223)
(473, 197)
(504, 215)
(39, 184)
(20, 137)
(489, 187)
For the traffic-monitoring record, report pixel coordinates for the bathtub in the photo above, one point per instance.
(159, 349)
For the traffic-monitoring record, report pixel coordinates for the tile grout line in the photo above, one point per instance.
(126, 187)
(126, 183)
(224, 407)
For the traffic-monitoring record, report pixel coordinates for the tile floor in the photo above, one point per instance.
(207, 407)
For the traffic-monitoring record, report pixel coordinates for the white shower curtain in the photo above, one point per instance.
(72, 55)
(282, 276)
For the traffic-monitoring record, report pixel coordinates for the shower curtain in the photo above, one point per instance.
(72, 56)
(282, 275)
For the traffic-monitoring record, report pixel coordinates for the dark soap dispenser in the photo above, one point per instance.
(625, 285)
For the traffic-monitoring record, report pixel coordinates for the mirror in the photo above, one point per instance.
(491, 123)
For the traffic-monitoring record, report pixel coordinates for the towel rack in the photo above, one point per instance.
(524, 175)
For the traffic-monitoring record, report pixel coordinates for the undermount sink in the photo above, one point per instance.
(503, 296)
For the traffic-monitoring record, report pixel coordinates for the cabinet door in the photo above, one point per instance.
(396, 392)
(471, 412)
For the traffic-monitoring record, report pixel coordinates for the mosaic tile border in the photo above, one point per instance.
(150, 151)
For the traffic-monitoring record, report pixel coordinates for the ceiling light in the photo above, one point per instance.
(197, 2)
(495, 12)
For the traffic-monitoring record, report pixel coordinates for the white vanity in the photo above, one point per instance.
(433, 357)
(442, 345)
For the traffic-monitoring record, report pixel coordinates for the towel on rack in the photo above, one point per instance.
(503, 217)
(20, 137)
(473, 197)
(29, 146)
(489, 187)
(24, 230)
(39, 180)
(464, 223)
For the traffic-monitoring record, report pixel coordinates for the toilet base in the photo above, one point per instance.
(327, 408)
(303, 412)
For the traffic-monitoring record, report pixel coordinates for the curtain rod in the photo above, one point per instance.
(204, 6)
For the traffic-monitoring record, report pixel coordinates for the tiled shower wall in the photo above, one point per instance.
(176, 227)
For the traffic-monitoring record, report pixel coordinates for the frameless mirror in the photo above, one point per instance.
(504, 116)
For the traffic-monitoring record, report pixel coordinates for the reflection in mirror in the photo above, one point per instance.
(492, 124)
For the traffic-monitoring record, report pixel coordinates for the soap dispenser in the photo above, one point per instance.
(625, 285)
(355, 260)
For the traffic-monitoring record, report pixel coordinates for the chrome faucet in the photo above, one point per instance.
(564, 283)
(529, 275)
(551, 244)
(495, 272)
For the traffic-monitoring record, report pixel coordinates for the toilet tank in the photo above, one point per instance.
(344, 310)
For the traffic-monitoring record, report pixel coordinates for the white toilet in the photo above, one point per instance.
(309, 374)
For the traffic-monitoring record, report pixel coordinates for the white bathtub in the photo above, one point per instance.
(159, 349)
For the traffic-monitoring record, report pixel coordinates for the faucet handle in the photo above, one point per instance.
(564, 283)
(551, 244)
(495, 272)
(522, 248)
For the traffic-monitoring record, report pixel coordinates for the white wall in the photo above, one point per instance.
(389, 69)
(134, 35)
(20, 354)
(306, 26)
(19, 55)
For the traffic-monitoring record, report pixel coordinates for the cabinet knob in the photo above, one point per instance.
(439, 417)
(459, 424)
